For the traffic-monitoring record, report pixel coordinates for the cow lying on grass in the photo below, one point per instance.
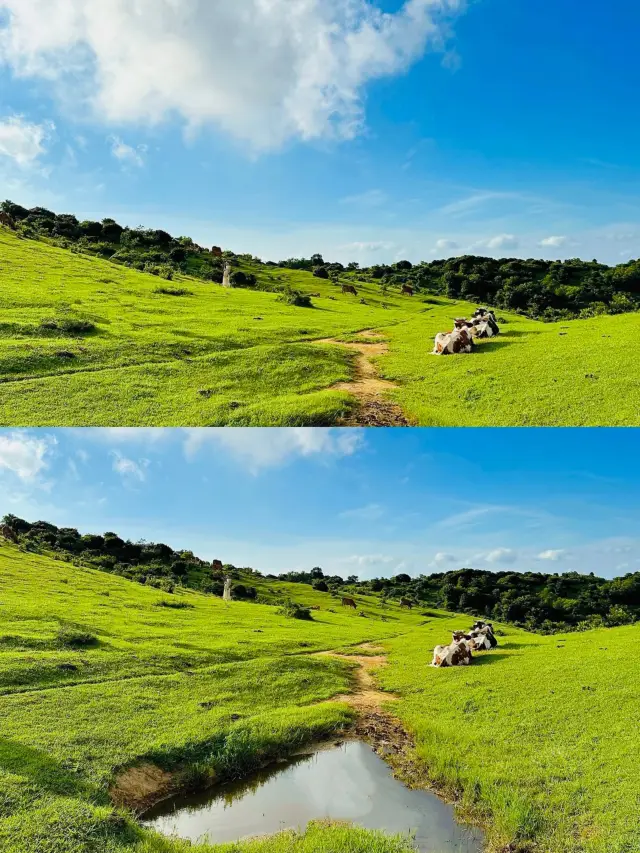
(482, 637)
(460, 340)
(458, 652)
(452, 343)
(485, 324)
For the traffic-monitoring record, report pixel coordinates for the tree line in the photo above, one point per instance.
(532, 600)
(545, 290)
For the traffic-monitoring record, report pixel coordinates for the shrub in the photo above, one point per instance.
(67, 326)
(242, 591)
(175, 605)
(295, 611)
(242, 279)
(321, 586)
(173, 291)
(295, 297)
(215, 588)
(75, 638)
(321, 272)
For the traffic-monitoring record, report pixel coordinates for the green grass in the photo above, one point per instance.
(537, 740)
(208, 691)
(216, 357)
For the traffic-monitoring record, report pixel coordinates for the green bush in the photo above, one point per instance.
(173, 291)
(295, 611)
(67, 326)
(75, 638)
(294, 297)
(175, 605)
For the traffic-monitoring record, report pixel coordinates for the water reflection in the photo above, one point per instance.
(347, 782)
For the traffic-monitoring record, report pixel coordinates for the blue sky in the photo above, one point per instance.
(436, 128)
(370, 502)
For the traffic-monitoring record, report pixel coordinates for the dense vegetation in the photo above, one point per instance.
(548, 290)
(538, 602)
(531, 740)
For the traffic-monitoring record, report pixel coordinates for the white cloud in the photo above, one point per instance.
(264, 70)
(502, 241)
(368, 560)
(371, 512)
(126, 154)
(23, 455)
(372, 198)
(552, 555)
(445, 246)
(374, 246)
(128, 469)
(269, 448)
(22, 141)
(502, 555)
(554, 242)
(442, 558)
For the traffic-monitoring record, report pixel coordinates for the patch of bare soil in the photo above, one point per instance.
(373, 409)
(141, 786)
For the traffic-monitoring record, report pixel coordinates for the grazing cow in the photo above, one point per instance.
(349, 288)
(349, 602)
(457, 653)
(8, 533)
(405, 602)
(452, 343)
(407, 289)
(7, 221)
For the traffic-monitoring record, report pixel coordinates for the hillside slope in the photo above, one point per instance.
(85, 342)
(98, 674)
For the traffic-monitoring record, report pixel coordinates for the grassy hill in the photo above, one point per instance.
(84, 341)
(97, 674)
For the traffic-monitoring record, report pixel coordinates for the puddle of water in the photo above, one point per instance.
(347, 782)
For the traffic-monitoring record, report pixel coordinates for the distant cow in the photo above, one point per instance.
(7, 221)
(453, 343)
(8, 533)
(404, 602)
(349, 602)
(457, 653)
(349, 288)
(406, 288)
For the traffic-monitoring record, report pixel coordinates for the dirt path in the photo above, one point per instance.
(378, 727)
(374, 409)
(365, 699)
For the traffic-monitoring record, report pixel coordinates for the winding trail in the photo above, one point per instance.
(374, 409)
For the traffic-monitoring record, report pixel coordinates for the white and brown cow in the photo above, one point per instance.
(453, 343)
(482, 637)
(457, 653)
(485, 324)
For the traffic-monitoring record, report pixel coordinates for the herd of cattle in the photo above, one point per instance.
(482, 325)
(458, 652)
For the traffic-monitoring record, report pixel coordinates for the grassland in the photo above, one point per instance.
(538, 740)
(214, 357)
